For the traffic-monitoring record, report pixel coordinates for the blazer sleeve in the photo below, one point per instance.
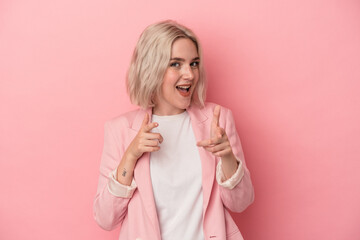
(109, 209)
(241, 196)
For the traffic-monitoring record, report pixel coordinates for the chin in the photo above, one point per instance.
(185, 104)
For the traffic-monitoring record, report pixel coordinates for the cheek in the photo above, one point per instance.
(170, 78)
(197, 76)
(167, 86)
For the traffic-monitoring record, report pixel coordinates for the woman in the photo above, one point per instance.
(160, 162)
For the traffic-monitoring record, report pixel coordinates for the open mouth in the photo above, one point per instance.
(184, 90)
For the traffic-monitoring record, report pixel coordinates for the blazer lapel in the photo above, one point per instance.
(201, 126)
(142, 175)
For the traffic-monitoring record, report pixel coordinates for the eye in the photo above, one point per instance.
(175, 64)
(194, 64)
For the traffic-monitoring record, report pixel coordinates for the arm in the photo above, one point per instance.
(109, 210)
(237, 191)
(116, 184)
(242, 195)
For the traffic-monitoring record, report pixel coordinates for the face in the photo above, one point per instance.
(180, 79)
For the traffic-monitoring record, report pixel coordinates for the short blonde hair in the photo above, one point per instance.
(151, 58)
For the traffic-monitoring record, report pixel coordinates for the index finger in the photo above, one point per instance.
(216, 116)
(146, 126)
(145, 121)
(150, 126)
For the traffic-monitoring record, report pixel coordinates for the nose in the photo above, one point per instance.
(188, 73)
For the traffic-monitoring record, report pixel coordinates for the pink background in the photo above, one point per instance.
(289, 70)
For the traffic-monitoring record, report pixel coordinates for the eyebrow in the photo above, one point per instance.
(183, 60)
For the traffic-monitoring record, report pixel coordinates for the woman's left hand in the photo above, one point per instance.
(218, 144)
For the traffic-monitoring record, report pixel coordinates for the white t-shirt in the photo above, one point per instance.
(176, 179)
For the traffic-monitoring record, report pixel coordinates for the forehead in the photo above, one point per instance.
(184, 47)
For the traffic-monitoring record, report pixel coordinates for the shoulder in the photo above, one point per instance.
(226, 117)
(205, 113)
(209, 107)
(123, 120)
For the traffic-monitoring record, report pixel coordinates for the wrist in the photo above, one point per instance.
(229, 165)
(130, 158)
(230, 158)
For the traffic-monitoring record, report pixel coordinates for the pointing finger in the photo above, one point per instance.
(146, 126)
(150, 126)
(216, 116)
(145, 121)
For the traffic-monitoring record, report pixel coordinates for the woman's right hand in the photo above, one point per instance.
(144, 141)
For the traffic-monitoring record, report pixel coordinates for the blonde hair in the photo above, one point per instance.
(151, 58)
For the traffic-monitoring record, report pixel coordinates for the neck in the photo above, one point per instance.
(166, 112)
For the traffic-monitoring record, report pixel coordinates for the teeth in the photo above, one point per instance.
(183, 87)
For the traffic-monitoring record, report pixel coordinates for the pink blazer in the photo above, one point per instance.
(137, 216)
